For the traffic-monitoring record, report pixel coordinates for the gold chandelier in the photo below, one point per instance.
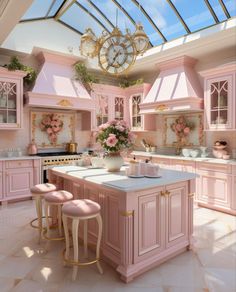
(116, 52)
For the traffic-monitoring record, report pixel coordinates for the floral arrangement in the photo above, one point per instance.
(182, 128)
(52, 125)
(115, 136)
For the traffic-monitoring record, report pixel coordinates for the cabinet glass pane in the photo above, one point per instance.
(119, 108)
(136, 117)
(8, 102)
(219, 102)
(102, 109)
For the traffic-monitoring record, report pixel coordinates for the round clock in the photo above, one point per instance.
(116, 54)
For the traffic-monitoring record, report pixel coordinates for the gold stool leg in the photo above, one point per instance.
(67, 237)
(86, 238)
(75, 226)
(38, 203)
(99, 220)
(59, 219)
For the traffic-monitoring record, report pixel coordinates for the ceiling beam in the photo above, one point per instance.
(64, 7)
(92, 15)
(226, 12)
(50, 7)
(70, 27)
(212, 11)
(128, 15)
(101, 13)
(179, 16)
(149, 19)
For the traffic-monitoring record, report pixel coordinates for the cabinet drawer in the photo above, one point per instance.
(19, 163)
(224, 168)
(1, 165)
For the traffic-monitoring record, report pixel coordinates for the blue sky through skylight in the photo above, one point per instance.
(195, 14)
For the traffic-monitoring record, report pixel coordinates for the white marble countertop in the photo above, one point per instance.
(19, 158)
(120, 181)
(180, 157)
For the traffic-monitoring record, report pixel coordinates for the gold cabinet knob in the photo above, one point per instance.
(162, 193)
(167, 193)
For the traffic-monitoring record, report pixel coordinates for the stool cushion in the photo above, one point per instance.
(81, 208)
(43, 188)
(58, 197)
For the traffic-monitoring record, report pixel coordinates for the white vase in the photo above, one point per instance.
(113, 161)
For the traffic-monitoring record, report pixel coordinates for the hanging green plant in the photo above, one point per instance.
(15, 64)
(124, 83)
(84, 76)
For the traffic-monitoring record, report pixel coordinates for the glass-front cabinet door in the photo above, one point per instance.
(136, 118)
(220, 103)
(119, 108)
(9, 115)
(11, 98)
(102, 109)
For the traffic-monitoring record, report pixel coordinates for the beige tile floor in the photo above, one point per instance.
(26, 266)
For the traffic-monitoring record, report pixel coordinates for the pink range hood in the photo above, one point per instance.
(177, 88)
(56, 87)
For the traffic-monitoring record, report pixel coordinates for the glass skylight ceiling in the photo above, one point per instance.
(163, 20)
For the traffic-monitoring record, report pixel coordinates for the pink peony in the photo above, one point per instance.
(186, 130)
(120, 128)
(178, 128)
(111, 140)
(104, 126)
(131, 137)
(49, 131)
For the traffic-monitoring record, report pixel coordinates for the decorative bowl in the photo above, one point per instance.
(194, 153)
(186, 152)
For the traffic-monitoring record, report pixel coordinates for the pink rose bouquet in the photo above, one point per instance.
(182, 128)
(52, 125)
(115, 136)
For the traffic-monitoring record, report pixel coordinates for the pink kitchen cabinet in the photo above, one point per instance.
(1, 181)
(18, 177)
(163, 162)
(162, 220)
(176, 214)
(139, 122)
(18, 182)
(214, 186)
(183, 165)
(219, 98)
(11, 99)
(110, 103)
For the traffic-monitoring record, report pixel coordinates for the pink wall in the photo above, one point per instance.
(21, 138)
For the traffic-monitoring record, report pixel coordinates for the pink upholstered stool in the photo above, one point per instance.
(56, 198)
(81, 210)
(39, 191)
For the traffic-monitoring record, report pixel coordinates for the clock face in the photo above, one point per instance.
(116, 54)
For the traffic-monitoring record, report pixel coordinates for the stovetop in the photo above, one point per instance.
(46, 154)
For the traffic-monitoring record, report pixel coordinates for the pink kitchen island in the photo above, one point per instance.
(146, 221)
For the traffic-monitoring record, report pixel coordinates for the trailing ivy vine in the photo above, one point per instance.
(86, 78)
(15, 64)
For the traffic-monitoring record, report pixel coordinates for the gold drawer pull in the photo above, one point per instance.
(167, 193)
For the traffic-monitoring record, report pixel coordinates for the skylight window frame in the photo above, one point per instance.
(149, 19)
(224, 8)
(213, 14)
(179, 16)
(92, 15)
(123, 10)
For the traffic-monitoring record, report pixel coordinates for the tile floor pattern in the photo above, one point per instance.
(26, 267)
